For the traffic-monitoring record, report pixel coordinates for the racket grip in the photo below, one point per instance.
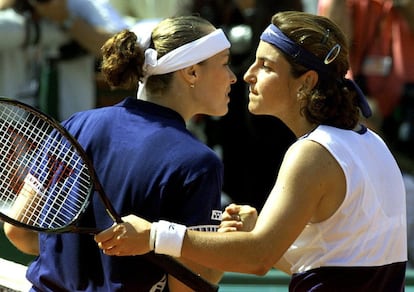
(181, 272)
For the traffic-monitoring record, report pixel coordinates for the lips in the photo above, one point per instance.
(252, 91)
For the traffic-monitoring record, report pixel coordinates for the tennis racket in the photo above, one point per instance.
(47, 181)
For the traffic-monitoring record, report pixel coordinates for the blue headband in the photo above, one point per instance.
(274, 36)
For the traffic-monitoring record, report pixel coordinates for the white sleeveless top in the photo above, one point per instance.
(369, 228)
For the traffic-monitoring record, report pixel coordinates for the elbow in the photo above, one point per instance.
(262, 269)
(260, 272)
(259, 266)
(259, 259)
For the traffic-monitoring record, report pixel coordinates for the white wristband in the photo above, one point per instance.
(153, 235)
(169, 238)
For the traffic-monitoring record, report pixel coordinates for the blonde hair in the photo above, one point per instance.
(123, 58)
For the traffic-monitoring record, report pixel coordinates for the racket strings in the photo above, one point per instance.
(10, 157)
(43, 180)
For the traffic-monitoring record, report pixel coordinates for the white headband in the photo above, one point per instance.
(189, 54)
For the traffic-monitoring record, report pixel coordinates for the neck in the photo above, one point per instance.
(306, 132)
(300, 127)
(176, 103)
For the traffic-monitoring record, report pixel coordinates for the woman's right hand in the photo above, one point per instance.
(238, 218)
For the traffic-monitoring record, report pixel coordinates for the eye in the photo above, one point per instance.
(266, 67)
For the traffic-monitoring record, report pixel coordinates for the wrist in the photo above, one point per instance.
(167, 238)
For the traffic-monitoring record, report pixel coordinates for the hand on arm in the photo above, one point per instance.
(299, 196)
(128, 238)
(133, 238)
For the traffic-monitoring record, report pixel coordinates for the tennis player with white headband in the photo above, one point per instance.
(335, 219)
(184, 56)
(148, 162)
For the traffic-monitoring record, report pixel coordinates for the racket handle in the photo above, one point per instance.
(181, 272)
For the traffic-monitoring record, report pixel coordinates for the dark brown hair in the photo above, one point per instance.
(330, 102)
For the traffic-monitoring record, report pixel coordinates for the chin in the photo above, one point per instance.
(258, 112)
(253, 109)
(220, 113)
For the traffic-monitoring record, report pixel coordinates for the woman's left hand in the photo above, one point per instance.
(126, 239)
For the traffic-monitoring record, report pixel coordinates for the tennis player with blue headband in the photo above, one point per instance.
(335, 219)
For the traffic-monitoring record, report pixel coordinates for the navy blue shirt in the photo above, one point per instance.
(150, 165)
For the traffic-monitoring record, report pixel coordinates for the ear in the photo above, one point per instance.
(310, 79)
(189, 74)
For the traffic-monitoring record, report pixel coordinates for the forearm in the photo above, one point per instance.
(211, 275)
(24, 209)
(245, 254)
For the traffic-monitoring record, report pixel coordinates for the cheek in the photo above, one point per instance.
(271, 97)
(213, 98)
(270, 93)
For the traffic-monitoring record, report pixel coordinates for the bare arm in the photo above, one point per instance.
(24, 240)
(243, 218)
(249, 215)
(22, 210)
(298, 197)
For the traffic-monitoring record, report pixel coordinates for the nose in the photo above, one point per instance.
(249, 76)
(233, 77)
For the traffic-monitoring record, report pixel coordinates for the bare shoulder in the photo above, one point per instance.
(319, 176)
(311, 155)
